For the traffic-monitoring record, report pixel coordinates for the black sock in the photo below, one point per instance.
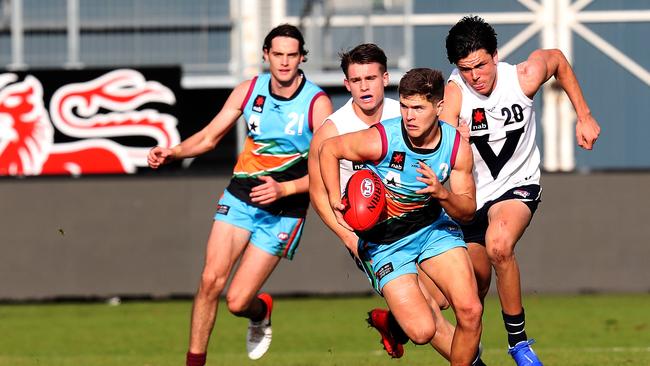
(479, 362)
(396, 330)
(477, 358)
(516, 327)
(262, 313)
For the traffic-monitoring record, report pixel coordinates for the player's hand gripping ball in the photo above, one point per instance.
(364, 200)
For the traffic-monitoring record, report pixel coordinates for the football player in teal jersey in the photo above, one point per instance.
(260, 216)
(414, 155)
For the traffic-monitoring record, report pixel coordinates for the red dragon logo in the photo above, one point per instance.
(26, 134)
(92, 112)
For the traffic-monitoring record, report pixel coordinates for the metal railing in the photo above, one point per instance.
(219, 44)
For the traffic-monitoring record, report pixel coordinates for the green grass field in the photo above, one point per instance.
(570, 330)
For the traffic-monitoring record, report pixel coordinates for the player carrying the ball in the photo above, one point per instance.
(414, 155)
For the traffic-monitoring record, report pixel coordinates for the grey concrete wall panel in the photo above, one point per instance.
(135, 237)
(589, 235)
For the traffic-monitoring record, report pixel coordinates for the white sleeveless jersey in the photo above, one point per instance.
(502, 135)
(346, 121)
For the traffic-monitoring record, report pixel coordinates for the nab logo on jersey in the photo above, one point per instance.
(397, 160)
(479, 122)
(258, 104)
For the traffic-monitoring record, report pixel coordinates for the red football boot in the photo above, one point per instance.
(378, 319)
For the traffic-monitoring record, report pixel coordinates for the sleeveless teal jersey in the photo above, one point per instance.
(279, 132)
(407, 211)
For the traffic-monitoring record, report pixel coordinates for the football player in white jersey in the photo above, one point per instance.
(366, 76)
(491, 101)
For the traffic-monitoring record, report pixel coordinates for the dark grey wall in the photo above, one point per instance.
(145, 236)
(589, 234)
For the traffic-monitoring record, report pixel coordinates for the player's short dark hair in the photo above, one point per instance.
(470, 34)
(365, 53)
(425, 82)
(285, 30)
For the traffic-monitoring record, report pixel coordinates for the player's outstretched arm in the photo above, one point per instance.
(206, 139)
(317, 191)
(540, 66)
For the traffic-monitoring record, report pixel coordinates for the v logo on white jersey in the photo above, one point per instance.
(493, 161)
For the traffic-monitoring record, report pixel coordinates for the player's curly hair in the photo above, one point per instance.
(366, 53)
(286, 30)
(470, 34)
(425, 82)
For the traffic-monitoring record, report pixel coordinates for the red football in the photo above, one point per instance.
(365, 200)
